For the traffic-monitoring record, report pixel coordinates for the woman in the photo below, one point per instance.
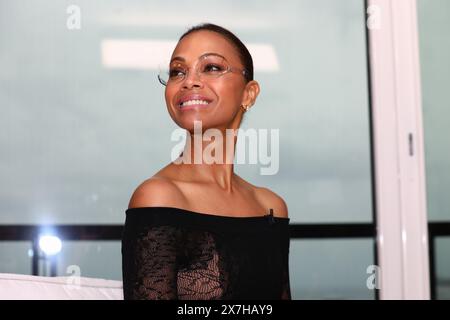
(196, 230)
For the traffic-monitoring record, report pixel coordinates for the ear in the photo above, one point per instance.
(251, 92)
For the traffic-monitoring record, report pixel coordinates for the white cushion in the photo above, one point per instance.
(26, 287)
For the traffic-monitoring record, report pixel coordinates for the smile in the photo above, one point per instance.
(190, 104)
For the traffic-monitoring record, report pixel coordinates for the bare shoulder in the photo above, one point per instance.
(267, 198)
(156, 192)
(272, 200)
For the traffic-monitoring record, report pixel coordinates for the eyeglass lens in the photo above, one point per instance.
(209, 66)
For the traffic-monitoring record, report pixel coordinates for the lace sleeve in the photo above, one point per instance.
(150, 262)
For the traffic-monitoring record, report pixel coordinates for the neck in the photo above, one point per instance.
(208, 155)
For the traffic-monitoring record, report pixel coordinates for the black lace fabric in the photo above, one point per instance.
(172, 253)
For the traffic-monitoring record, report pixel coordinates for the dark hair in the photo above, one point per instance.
(244, 54)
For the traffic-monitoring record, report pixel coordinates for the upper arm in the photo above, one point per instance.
(150, 262)
(274, 201)
(156, 192)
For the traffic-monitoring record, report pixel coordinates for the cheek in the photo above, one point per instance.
(169, 95)
(229, 93)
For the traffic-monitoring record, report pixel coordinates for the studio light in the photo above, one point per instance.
(50, 244)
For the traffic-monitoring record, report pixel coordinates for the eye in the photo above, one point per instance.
(173, 73)
(212, 68)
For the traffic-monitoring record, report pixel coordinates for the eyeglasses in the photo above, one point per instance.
(207, 67)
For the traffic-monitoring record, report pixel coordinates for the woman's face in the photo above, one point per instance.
(225, 93)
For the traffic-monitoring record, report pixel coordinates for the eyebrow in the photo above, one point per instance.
(205, 54)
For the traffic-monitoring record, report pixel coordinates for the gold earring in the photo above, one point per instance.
(245, 107)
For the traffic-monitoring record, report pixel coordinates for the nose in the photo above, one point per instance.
(192, 80)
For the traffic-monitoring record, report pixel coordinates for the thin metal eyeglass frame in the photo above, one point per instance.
(229, 69)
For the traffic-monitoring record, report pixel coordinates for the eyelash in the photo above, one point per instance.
(174, 72)
(214, 65)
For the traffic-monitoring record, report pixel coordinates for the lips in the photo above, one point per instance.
(191, 98)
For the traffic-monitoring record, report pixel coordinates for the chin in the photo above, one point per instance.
(188, 124)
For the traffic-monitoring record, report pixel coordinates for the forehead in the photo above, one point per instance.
(197, 43)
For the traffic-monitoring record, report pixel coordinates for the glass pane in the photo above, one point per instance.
(77, 133)
(95, 259)
(443, 268)
(332, 269)
(15, 257)
(434, 28)
(434, 32)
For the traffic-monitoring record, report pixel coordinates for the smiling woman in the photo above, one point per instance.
(196, 230)
(220, 73)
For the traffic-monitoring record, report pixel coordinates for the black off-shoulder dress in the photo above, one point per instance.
(173, 253)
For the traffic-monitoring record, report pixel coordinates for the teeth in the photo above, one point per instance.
(192, 102)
